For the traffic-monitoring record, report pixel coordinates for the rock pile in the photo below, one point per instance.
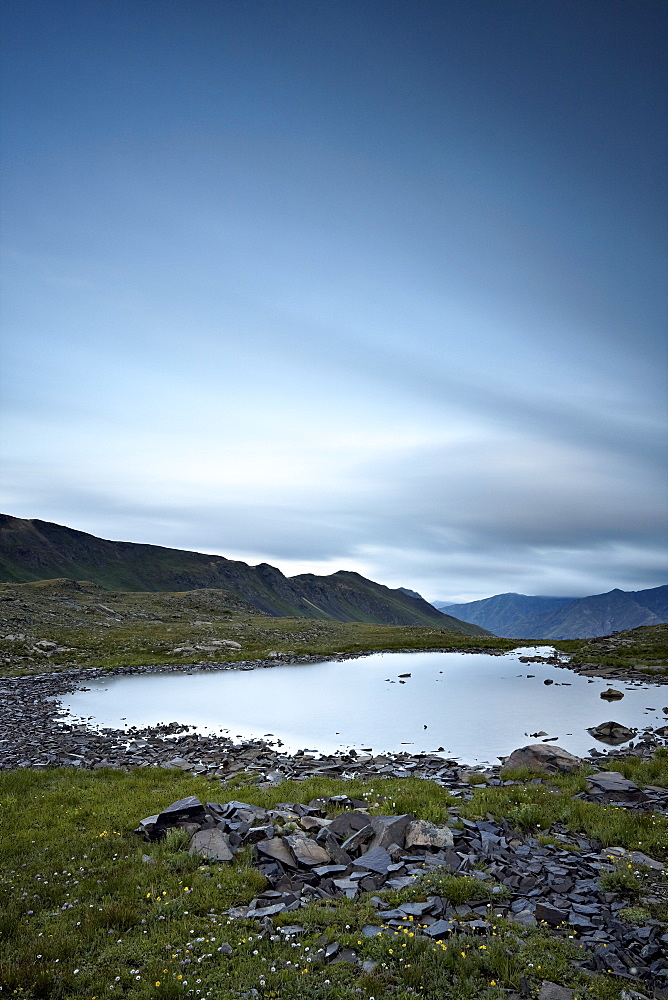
(315, 851)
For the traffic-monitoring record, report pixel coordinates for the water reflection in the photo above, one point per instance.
(475, 706)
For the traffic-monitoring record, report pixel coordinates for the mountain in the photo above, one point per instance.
(39, 550)
(411, 593)
(517, 616)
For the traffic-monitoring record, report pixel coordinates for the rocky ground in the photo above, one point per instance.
(33, 735)
(313, 851)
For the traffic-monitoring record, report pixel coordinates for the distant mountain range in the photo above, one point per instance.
(517, 616)
(39, 550)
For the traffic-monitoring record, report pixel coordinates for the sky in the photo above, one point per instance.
(375, 285)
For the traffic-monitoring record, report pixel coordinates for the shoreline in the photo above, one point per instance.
(32, 735)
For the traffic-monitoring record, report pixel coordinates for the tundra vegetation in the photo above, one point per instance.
(92, 627)
(91, 911)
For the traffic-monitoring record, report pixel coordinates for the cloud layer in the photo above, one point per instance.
(364, 291)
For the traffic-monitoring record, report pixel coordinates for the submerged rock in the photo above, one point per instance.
(612, 733)
(612, 694)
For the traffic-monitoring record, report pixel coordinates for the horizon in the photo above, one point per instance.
(362, 287)
(432, 600)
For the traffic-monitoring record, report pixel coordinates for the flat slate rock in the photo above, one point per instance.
(278, 849)
(389, 829)
(347, 823)
(374, 860)
(307, 851)
(211, 844)
(612, 786)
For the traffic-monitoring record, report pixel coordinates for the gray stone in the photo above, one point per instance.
(307, 852)
(552, 991)
(420, 833)
(389, 829)
(357, 839)
(348, 823)
(440, 928)
(278, 849)
(542, 758)
(376, 859)
(612, 733)
(336, 851)
(552, 915)
(212, 845)
(636, 858)
(611, 786)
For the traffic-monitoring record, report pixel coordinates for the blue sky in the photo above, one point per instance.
(350, 285)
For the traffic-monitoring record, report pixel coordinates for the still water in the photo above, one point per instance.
(475, 706)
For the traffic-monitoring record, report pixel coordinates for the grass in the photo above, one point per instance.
(537, 808)
(642, 649)
(96, 628)
(92, 911)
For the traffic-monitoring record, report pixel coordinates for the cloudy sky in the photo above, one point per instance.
(359, 284)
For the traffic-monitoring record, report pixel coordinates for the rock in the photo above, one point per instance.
(611, 786)
(612, 733)
(636, 858)
(389, 829)
(376, 859)
(420, 833)
(46, 645)
(307, 852)
(612, 694)
(147, 826)
(278, 849)
(212, 845)
(348, 822)
(545, 759)
(188, 810)
(357, 839)
(552, 991)
(552, 915)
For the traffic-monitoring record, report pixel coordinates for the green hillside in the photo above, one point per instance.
(32, 550)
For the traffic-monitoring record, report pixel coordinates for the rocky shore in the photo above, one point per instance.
(32, 734)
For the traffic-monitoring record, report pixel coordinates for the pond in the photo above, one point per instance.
(474, 706)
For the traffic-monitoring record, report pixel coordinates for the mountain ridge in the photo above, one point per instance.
(519, 616)
(32, 550)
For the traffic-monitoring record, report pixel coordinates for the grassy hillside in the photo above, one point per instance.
(39, 550)
(92, 626)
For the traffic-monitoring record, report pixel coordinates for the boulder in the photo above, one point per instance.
(611, 786)
(347, 823)
(212, 845)
(552, 991)
(389, 829)
(307, 851)
(612, 733)
(612, 694)
(545, 759)
(420, 833)
(278, 849)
